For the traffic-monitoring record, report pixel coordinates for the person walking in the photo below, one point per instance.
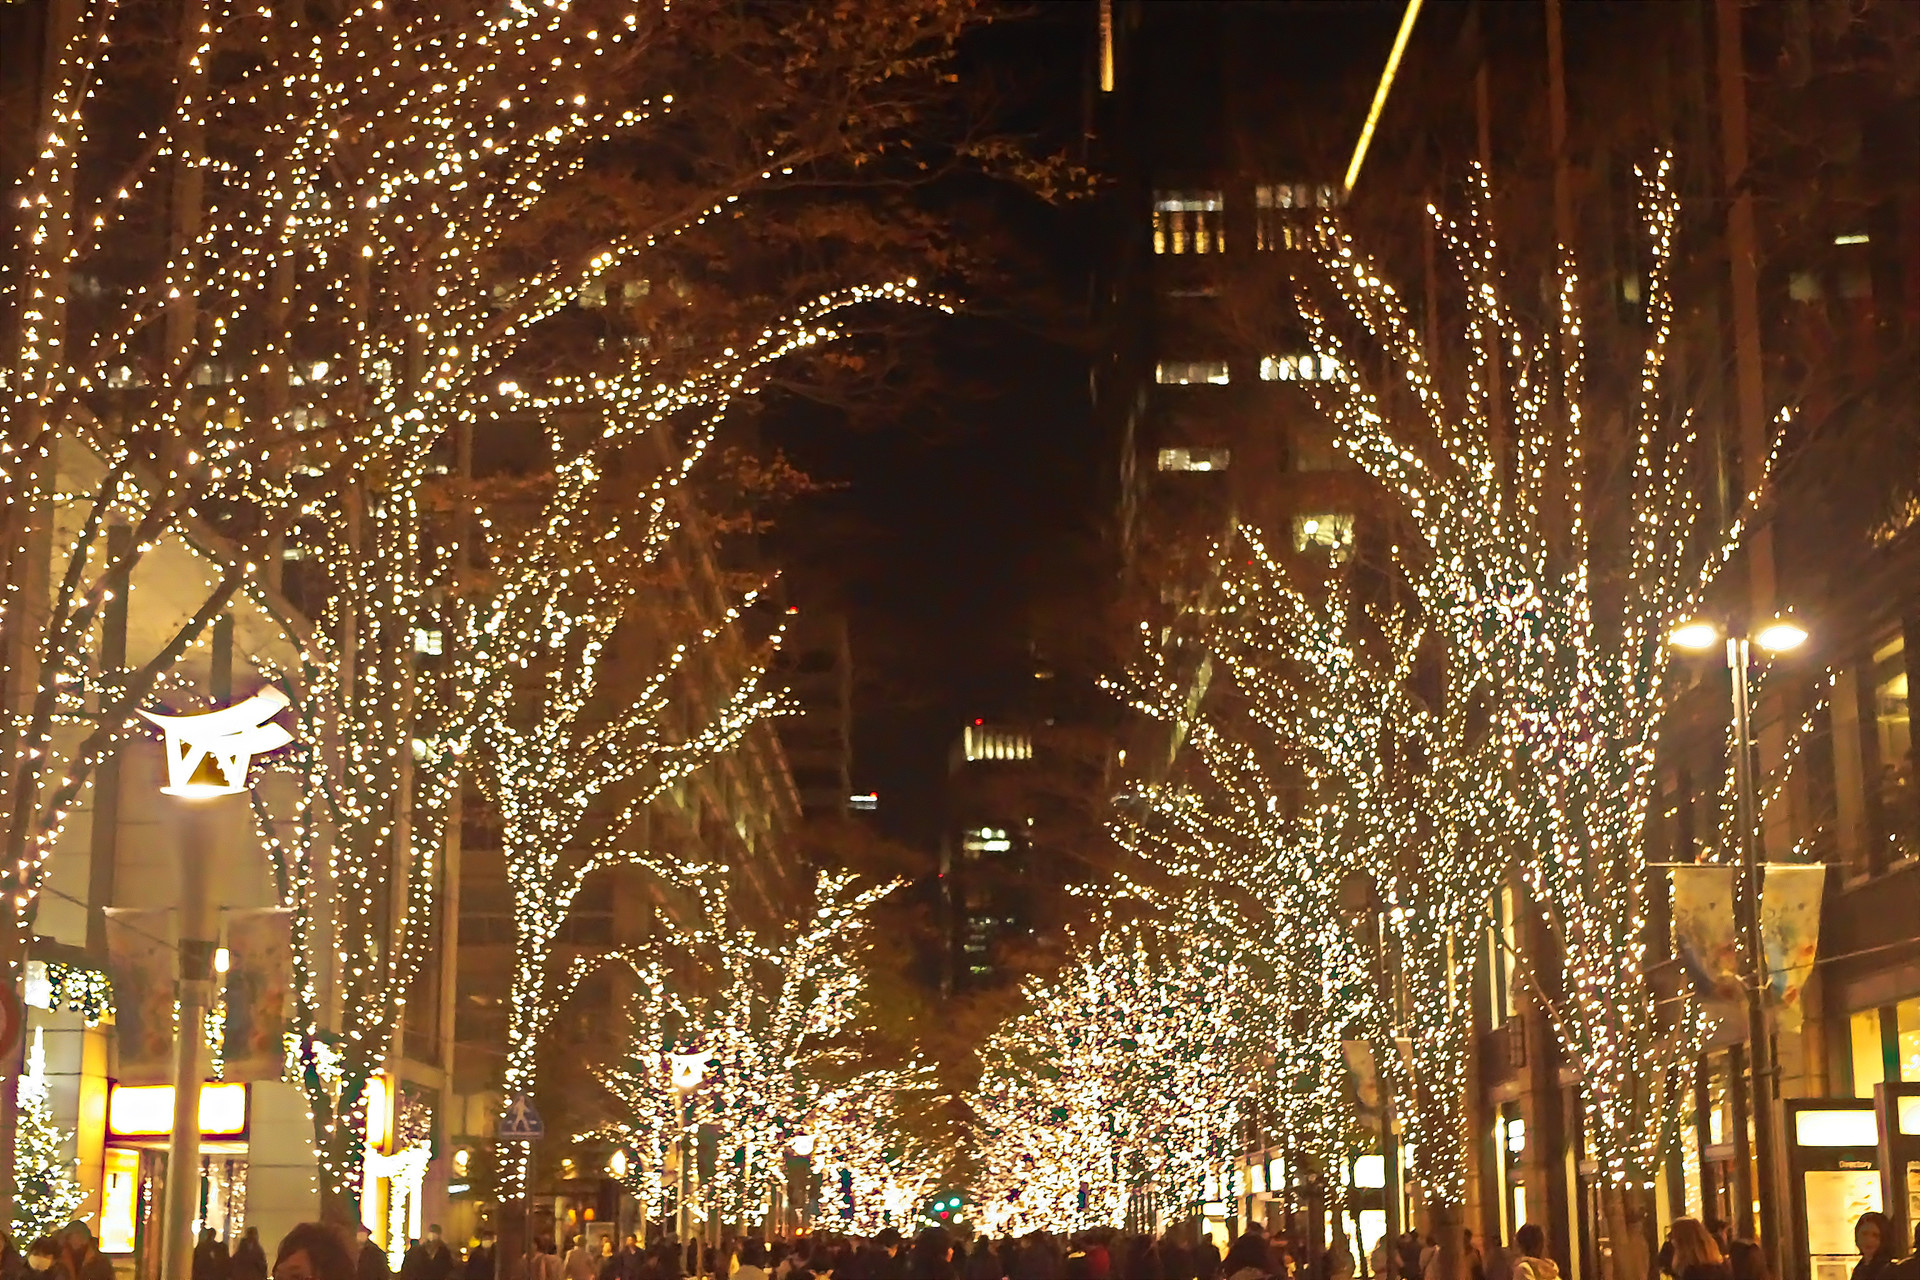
(1748, 1261)
(753, 1261)
(312, 1251)
(370, 1260)
(41, 1256)
(80, 1257)
(1247, 1259)
(1532, 1262)
(1907, 1269)
(480, 1259)
(1696, 1254)
(984, 1263)
(209, 1257)
(1476, 1265)
(249, 1261)
(1873, 1235)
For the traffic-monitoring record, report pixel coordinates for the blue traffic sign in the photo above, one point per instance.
(520, 1123)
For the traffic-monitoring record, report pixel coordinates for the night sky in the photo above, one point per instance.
(971, 511)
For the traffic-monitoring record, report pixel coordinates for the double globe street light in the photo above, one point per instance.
(1779, 634)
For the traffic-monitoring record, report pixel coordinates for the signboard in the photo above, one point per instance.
(520, 1123)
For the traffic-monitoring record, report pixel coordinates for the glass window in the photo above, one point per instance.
(1315, 451)
(1189, 459)
(1281, 212)
(1302, 367)
(1869, 1053)
(1893, 741)
(1182, 373)
(1331, 532)
(1189, 222)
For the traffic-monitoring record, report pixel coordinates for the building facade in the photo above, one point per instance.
(1227, 140)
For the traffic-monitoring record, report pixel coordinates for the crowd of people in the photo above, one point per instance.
(1694, 1250)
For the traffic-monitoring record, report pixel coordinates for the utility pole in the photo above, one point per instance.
(1751, 425)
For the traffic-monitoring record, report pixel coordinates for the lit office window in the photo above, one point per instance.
(983, 743)
(1281, 209)
(429, 640)
(1329, 532)
(1893, 743)
(1296, 195)
(1188, 459)
(1189, 222)
(981, 840)
(1302, 367)
(1183, 373)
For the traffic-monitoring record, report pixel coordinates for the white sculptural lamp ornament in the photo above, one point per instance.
(687, 1070)
(208, 753)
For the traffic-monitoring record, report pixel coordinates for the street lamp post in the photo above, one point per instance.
(686, 1072)
(1777, 636)
(802, 1148)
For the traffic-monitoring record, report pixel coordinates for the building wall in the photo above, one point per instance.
(1191, 138)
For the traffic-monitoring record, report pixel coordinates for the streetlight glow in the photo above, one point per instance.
(1780, 635)
(1696, 633)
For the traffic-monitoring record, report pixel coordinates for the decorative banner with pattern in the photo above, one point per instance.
(259, 996)
(1790, 932)
(1366, 1081)
(143, 964)
(1704, 934)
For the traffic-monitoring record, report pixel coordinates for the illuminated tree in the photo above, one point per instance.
(775, 1014)
(278, 269)
(1489, 466)
(1246, 847)
(1132, 1067)
(46, 1194)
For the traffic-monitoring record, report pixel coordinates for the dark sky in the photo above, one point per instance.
(961, 512)
(977, 517)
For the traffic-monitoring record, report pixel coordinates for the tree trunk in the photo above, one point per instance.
(1629, 1214)
(1444, 1223)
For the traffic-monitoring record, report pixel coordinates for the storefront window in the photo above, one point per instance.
(1893, 737)
(1869, 1052)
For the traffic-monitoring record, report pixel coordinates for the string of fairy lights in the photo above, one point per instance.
(344, 296)
(1489, 708)
(771, 1016)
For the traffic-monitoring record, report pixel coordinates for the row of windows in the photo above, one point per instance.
(1194, 222)
(1309, 453)
(1300, 367)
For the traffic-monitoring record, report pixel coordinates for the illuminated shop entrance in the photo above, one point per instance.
(133, 1186)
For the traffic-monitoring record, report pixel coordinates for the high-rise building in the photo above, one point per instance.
(1205, 116)
(1230, 127)
(816, 665)
(988, 875)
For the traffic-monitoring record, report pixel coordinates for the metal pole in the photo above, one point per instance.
(189, 1055)
(1753, 963)
(683, 1221)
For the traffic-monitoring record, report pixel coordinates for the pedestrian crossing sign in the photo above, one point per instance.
(520, 1123)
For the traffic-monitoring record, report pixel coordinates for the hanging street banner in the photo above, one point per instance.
(143, 964)
(1790, 933)
(1366, 1082)
(259, 978)
(1704, 936)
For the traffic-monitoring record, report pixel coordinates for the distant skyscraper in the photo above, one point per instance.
(986, 864)
(816, 663)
